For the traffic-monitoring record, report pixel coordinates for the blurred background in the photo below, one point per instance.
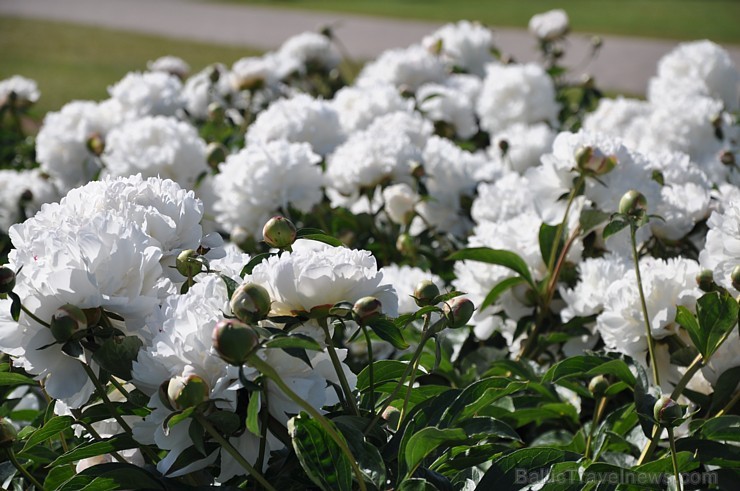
(75, 49)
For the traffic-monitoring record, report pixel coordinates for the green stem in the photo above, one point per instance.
(650, 340)
(400, 383)
(119, 387)
(597, 416)
(270, 373)
(427, 320)
(32, 316)
(729, 405)
(674, 459)
(348, 395)
(371, 371)
(13, 460)
(77, 413)
(561, 227)
(226, 445)
(265, 423)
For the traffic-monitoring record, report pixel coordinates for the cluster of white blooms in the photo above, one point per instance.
(22, 194)
(24, 90)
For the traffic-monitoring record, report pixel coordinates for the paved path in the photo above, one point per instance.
(624, 64)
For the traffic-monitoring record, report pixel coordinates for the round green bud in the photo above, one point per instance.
(405, 244)
(66, 321)
(458, 311)
(727, 158)
(234, 341)
(593, 162)
(185, 392)
(250, 303)
(279, 232)
(735, 277)
(667, 412)
(215, 154)
(425, 293)
(95, 144)
(366, 309)
(7, 280)
(632, 203)
(189, 263)
(93, 316)
(503, 146)
(705, 280)
(8, 433)
(598, 386)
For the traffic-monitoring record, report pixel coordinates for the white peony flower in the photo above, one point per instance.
(400, 200)
(452, 102)
(505, 198)
(464, 45)
(404, 280)
(588, 297)
(172, 65)
(200, 90)
(25, 90)
(408, 68)
(311, 49)
(264, 178)
(696, 68)
(62, 145)
(21, 195)
(722, 250)
(317, 275)
(549, 25)
(617, 117)
(516, 94)
(525, 144)
(156, 146)
(357, 107)
(298, 119)
(148, 94)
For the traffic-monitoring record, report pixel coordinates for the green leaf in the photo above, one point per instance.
(294, 341)
(98, 447)
(231, 285)
(116, 476)
(52, 428)
(247, 269)
(59, 475)
(686, 319)
(724, 388)
(319, 455)
(486, 427)
(383, 371)
(15, 306)
(477, 396)
(117, 355)
(195, 432)
(426, 441)
(13, 379)
(723, 428)
(388, 331)
(226, 422)
(326, 239)
(547, 241)
(686, 463)
(501, 257)
(368, 456)
(416, 484)
(505, 472)
(590, 219)
(499, 289)
(613, 227)
(253, 410)
(717, 315)
(618, 368)
(587, 366)
(603, 472)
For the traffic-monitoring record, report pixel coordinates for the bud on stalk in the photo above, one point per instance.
(250, 303)
(279, 232)
(458, 311)
(234, 341)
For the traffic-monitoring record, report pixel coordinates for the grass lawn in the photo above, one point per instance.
(718, 20)
(76, 62)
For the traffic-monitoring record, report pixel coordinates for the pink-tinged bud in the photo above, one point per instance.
(7, 280)
(458, 311)
(633, 203)
(598, 386)
(425, 293)
(185, 392)
(594, 162)
(279, 232)
(250, 303)
(667, 412)
(234, 341)
(66, 321)
(366, 309)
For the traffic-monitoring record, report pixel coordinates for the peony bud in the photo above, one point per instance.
(185, 392)
(8, 433)
(503, 146)
(279, 232)
(188, 263)
(215, 154)
(366, 309)
(633, 203)
(67, 320)
(7, 280)
(95, 144)
(705, 280)
(234, 341)
(727, 158)
(458, 311)
(593, 162)
(598, 386)
(405, 244)
(667, 412)
(735, 277)
(425, 293)
(250, 303)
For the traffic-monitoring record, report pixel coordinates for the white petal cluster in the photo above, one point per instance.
(516, 94)
(299, 119)
(404, 280)
(173, 65)
(452, 102)
(357, 107)
(721, 254)
(22, 194)
(148, 94)
(156, 146)
(525, 144)
(311, 49)
(264, 178)
(549, 25)
(25, 90)
(319, 276)
(406, 68)
(464, 45)
(199, 91)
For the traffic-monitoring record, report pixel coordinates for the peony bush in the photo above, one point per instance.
(444, 270)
